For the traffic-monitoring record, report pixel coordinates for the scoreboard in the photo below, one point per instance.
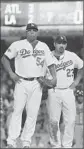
(41, 13)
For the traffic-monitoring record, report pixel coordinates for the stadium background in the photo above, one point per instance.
(52, 18)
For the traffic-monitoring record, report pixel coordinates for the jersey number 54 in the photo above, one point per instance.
(39, 62)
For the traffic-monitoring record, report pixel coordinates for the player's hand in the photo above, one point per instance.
(41, 81)
(45, 82)
(15, 77)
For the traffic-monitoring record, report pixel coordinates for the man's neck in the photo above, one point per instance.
(33, 43)
(57, 55)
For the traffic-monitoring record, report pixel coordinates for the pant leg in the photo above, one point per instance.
(69, 113)
(54, 111)
(61, 125)
(32, 108)
(15, 122)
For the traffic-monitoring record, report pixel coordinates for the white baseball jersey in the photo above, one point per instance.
(65, 68)
(30, 62)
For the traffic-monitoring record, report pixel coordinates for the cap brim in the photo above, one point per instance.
(31, 29)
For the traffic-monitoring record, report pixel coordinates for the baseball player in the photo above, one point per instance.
(62, 98)
(31, 57)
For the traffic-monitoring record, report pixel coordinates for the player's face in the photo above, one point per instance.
(31, 34)
(60, 47)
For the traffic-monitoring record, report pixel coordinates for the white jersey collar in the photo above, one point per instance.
(61, 57)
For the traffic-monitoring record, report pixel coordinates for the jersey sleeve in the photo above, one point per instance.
(11, 51)
(78, 61)
(48, 56)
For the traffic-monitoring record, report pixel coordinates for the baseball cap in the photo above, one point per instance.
(31, 26)
(60, 39)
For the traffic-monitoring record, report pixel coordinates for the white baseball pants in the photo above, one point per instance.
(61, 100)
(27, 93)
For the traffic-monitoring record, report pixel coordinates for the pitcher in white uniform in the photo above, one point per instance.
(62, 98)
(31, 57)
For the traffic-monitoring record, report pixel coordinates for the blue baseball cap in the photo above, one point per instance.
(60, 39)
(31, 26)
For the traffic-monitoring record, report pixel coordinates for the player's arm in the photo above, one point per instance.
(49, 83)
(79, 65)
(6, 62)
(77, 79)
(52, 70)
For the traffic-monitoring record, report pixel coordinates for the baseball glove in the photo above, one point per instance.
(45, 83)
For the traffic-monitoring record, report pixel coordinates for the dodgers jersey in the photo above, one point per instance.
(65, 68)
(30, 62)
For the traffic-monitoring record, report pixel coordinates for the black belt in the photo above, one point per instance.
(62, 88)
(30, 79)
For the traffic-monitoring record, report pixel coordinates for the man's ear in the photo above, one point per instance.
(66, 45)
(54, 44)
